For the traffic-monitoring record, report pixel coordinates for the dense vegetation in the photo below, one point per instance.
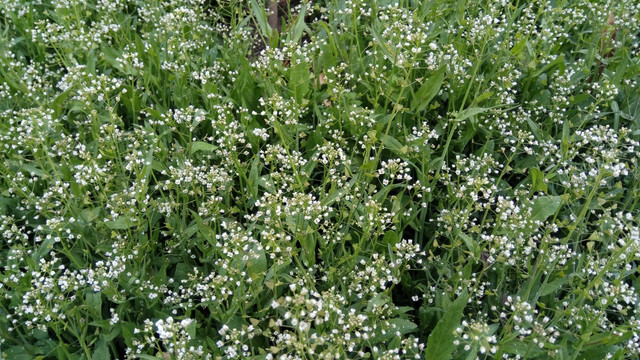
(371, 179)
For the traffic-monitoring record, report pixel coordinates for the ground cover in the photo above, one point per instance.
(194, 179)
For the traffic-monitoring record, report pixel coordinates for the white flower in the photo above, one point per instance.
(303, 326)
(186, 322)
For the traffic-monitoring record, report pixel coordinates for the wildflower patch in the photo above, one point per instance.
(359, 179)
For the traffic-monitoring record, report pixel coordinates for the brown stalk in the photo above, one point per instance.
(273, 14)
(603, 42)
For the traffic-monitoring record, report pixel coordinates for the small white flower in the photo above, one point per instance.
(186, 322)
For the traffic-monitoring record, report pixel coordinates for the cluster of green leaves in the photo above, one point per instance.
(183, 160)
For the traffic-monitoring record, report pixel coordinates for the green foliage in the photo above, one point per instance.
(372, 179)
(440, 344)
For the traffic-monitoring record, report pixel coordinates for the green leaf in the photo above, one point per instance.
(600, 352)
(482, 97)
(428, 90)
(121, 223)
(387, 51)
(517, 48)
(191, 329)
(43, 249)
(300, 24)
(315, 139)
(256, 267)
(101, 350)
(308, 250)
(616, 114)
(148, 357)
(553, 286)
(559, 61)
(110, 335)
(440, 344)
(94, 304)
(57, 103)
(537, 180)
(377, 301)
(528, 349)
(299, 81)
(334, 196)
(254, 177)
(17, 353)
(545, 206)
(110, 56)
(202, 146)
(90, 214)
(535, 130)
(469, 112)
(390, 237)
(40, 335)
(394, 145)
(34, 170)
(468, 241)
(261, 17)
(403, 326)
